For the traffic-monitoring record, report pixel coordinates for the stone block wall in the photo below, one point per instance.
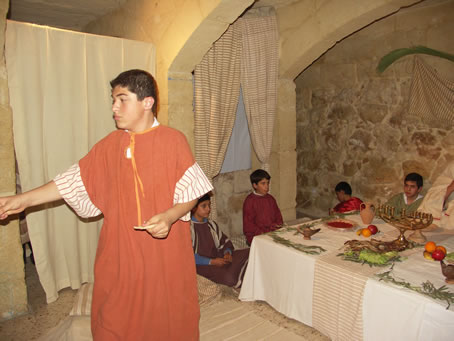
(353, 124)
(231, 189)
(13, 292)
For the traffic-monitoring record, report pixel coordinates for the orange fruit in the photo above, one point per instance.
(442, 248)
(430, 247)
(366, 233)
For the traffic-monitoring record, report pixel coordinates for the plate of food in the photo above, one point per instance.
(340, 224)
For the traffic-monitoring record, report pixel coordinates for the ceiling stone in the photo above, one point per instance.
(67, 14)
(76, 14)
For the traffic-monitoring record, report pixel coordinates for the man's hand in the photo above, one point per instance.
(449, 190)
(11, 205)
(228, 257)
(218, 262)
(17, 203)
(158, 226)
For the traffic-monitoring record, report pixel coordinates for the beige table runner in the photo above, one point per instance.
(338, 296)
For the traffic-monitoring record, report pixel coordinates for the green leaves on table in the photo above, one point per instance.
(371, 258)
(427, 288)
(309, 249)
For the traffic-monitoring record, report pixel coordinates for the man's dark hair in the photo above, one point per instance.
(139, 82)
(258, 175)
(343, 186)
(414, 177)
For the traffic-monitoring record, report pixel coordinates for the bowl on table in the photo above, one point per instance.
(341, 224)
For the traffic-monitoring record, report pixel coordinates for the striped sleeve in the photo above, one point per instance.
(192, 185)
(73, 191)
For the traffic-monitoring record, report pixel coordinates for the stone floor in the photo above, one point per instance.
(43, 316)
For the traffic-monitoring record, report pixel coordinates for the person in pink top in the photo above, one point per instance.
(260, 211)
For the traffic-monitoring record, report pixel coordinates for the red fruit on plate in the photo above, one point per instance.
(438, 255)
(373, 229)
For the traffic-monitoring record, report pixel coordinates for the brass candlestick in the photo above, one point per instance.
(413, 221)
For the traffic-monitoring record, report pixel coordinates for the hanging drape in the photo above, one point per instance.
(61, 101)
(259, 73)
(217, 87)
(431, 95)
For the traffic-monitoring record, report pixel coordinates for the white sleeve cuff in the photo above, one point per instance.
(192, 185)
(73, 191)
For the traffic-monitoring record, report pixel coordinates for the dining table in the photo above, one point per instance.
(311, 281)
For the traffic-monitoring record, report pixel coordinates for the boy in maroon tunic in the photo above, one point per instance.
(260, 211)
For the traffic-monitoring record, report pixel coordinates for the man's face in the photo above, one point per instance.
(129, 112)
(411, 189)
(262, 187)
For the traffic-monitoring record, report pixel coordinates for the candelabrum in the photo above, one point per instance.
(412, 221)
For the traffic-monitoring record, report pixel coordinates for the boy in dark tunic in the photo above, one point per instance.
(215, 255)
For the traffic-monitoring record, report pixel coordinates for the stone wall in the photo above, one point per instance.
(353, 124)
(231, 189)
(13, 292)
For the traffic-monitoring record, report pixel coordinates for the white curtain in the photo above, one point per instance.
(217, 88)
(259, 74)
(61, 101)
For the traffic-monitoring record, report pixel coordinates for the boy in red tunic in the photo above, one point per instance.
(347, 203)
(143, 178)
(260, 211)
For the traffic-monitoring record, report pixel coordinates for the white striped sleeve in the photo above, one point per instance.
(192, 185)
(73, 191)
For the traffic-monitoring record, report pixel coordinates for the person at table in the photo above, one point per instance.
(411, 197)
(439, 199)
(347, 203)
(260, 211)
(215, 256)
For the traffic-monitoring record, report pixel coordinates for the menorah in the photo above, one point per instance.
(411, 221)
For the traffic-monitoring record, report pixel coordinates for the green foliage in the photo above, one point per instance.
(371, 258)
(392, 56)
(309, 249)
(426, 288)
(450, 256)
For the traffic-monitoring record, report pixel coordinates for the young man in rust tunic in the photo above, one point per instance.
(143, 178)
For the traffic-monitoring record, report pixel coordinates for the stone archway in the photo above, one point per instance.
(319, 28)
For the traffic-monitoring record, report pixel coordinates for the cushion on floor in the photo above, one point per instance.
(208, 293)
(82, 302)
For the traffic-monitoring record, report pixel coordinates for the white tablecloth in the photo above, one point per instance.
(283, 277)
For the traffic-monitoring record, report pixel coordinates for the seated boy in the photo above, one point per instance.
(411, 198)
(347, 203)
(215, 256)
(260, 211)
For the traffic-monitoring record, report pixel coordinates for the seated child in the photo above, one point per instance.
(410, 199)
(260, 211)
(215, 256)
(347, 203)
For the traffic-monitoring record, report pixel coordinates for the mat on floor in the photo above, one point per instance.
(225, 320)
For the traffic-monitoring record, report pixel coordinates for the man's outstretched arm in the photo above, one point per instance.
(37, 196)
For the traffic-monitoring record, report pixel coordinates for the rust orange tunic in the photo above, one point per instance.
(145, 288)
